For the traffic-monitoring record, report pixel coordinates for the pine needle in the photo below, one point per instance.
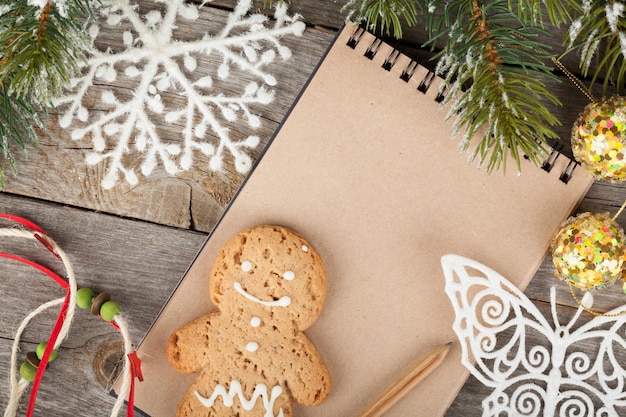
(383, 16)
(503, 102)
(601, 25)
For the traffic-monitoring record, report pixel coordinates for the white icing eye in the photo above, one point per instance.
(289, 275)
(305, 248)
(246, 266)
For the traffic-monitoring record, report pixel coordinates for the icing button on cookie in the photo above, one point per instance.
(252, 346)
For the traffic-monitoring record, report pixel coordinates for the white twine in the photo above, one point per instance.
(127, 378)
(71, 278)
(18, 387)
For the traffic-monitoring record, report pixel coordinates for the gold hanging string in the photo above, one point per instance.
(574, 79)
(581, 86)
(562, 67)
(589, 310)
(619, 211)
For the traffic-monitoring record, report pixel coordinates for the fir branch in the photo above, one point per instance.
(602, 24)
(270, 3)
(42, 44)
(383, 15)
(42, 47)
(18, 119)
(501, 69)
(531, 12)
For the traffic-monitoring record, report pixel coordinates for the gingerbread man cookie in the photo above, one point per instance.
(251, 353)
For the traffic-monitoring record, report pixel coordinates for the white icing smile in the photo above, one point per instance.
(283, 301)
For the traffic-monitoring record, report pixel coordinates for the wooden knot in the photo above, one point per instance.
(108, 363)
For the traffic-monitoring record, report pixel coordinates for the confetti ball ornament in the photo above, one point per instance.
(599, 138)
(588, 251)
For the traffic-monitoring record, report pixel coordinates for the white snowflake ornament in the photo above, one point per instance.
(170, 85)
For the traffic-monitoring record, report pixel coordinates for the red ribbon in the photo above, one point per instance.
(46, 355)
(23, 222)
(135, 371)
(135, 362)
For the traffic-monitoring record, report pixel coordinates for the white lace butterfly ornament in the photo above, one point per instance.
(575, 371)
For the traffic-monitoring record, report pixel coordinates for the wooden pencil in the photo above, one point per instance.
(405, 383)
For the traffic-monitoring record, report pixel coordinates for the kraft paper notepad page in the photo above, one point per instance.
(364, 169)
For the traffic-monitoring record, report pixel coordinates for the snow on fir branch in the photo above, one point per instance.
(493, 78)
(159, 64)
(62, 6)
(495, 65)
(601, 23)
(45, 47)
(383, 15)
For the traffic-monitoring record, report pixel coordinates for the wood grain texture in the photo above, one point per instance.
(195, 199)
(139, 263)
(57, 171)
(136, 242)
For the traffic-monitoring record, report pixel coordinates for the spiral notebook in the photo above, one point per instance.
(363, 168)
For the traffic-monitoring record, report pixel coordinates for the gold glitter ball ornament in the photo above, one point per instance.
(588, 251)
(599, 138)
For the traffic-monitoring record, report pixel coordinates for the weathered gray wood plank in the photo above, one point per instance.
(57, 170)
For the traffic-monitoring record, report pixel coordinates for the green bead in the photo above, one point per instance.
(109, 310)
(28, 371)
(84, 297)
(41, 348)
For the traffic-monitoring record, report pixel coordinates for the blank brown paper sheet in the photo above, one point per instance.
(364, 169)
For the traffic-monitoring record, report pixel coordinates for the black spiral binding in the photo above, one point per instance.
(390, 61)
(424, 85)
(567, 173)
(408, 71)
(373, 48)
(426, 82)
(441, 95)
(550, 161)
(356, 37)
(548, 164)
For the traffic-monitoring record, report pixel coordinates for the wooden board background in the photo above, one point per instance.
(136, 242)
